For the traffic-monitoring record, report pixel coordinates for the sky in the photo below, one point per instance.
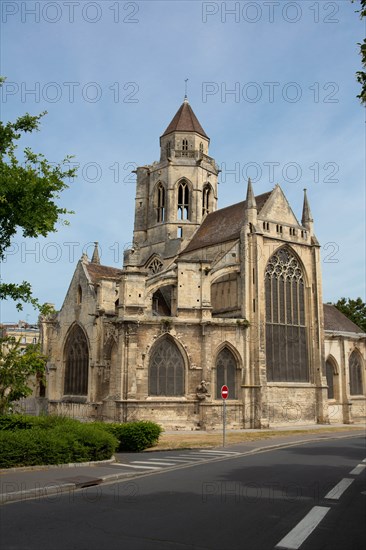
(272, 83)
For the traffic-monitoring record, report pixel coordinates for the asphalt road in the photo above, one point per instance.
(309, 496)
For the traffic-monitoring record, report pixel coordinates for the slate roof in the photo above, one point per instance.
(335, 320)
(185, 121)
(97, 272)
(223, 225)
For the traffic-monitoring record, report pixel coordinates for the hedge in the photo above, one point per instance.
(53, 442)
(133, 436)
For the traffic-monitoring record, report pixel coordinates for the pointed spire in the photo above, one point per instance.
(95, 258)
(306, 213)
(185, 120)
(250, 201)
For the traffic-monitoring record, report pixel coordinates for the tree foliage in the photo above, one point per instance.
(17, 366)
(29, 190)
(361, 75)
(355, 310)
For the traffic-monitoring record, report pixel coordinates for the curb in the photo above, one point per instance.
(55, 466)
(57, 489)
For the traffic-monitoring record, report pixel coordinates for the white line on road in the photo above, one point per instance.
(191, 458)
(364, 460)
(132, 466)
(339, 489)
(221, 452)
(296, 537)
(153, 462)
(360, 468)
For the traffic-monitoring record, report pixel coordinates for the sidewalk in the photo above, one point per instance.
(18, 484)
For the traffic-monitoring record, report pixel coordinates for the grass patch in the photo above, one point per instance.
(198, 440)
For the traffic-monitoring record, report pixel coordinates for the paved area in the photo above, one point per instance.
(18, 484)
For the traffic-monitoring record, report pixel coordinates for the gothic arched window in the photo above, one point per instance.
(201, 148)
(168, 149)
(166, 369)
(160, 201)
(183, 201)
(355, 374)
(76, 355)
(286, 346)
(226, 373)
(329, 372)
(206, 200)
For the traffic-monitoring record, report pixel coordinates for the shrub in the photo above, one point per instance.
(53, 440)
(133, 436)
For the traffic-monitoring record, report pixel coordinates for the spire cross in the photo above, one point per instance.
(185, 87)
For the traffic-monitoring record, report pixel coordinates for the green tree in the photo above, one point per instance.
(361, 75)
(29, 190)
(17, 367)
(355, 310)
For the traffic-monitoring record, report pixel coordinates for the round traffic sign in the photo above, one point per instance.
(224, 392)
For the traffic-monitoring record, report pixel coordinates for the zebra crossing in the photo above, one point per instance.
(176, 459)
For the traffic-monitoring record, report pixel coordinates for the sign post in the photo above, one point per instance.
(224, 395)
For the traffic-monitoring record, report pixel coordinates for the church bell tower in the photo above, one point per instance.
(174, 194)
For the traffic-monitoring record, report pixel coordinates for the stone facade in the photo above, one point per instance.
(205, 297)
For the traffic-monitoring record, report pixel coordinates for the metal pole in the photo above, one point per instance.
(224, 423)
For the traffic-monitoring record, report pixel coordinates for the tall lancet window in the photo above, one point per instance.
(206, 196)
(183, 201)
(355, 374)
(160, 201)
(168, 149)
(76, 356)
(286, 345)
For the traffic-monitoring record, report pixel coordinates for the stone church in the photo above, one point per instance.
(205, 297)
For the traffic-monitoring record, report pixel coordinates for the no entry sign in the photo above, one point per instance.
(224, 392)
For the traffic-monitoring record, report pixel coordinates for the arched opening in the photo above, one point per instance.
(286, 342)
(206, 200)
(183, 201)
(226, 373)
(160, 203)
(168, 149)
(162, 301)
(166, 369)
(330, 373)
(355, 374)
(79, 297)
(76, 356)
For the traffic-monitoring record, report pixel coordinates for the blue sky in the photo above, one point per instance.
(111, 76)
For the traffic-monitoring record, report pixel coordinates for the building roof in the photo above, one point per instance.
(97, 272)
(185, 121)
(223, 225)
(335, 320)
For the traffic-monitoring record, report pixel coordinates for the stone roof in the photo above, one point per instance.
(223, 225)
(185, 121)
(97, 272)
(335, 320)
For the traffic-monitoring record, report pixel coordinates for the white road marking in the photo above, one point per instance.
(360, 468)
(303, 529)
(192, 459)
(339, 489)
(221, 452)
(144, 467)
(153, 462)
(364, 460)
